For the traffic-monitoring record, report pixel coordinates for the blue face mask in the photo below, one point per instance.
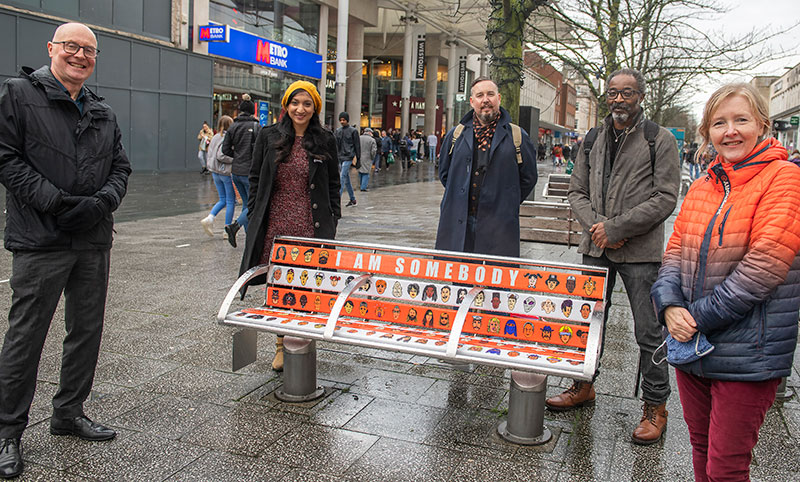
(681, 353)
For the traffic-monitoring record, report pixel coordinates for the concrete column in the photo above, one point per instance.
(180, 23)
(405, 90)
(341, 54)
(452, 80)
(355, 79)
(484, 71)
(431, 71)
(322, 49)
(200, 13)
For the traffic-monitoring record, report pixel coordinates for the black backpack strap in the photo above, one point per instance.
(650, 134)
(588, 143)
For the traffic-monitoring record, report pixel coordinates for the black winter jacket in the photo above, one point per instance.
(239, 142)
(49, 150)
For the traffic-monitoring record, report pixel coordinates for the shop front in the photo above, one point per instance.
(393, 105)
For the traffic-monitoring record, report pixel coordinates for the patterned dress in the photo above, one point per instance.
(290, 202)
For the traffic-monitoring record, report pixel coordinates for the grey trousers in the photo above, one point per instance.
(38, 278)
(638, 279)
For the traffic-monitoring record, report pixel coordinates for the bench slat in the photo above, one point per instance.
(550, 223)
(556, 237)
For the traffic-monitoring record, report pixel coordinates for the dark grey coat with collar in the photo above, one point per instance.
(48, 150)
(506, 184)
(636, 203)
(323, 176)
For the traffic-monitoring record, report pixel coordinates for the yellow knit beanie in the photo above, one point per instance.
(308, 87)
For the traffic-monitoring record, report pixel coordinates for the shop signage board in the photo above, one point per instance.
(419, 53)
(794, 120)
(263, 112)
(212, 33)
(461, 88)
(256, 50)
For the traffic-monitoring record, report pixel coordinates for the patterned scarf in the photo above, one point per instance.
(484, 133)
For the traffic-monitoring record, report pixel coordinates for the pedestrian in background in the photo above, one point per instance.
(238, 144)
(729, 285)
(386, 149)
(294, 187)
(220, 166)
(349, 148)
(432, 142)
(204, 136)
(795, 157)
(369, 149)
(65, 171)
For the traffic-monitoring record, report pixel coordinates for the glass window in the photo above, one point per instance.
(293, 22)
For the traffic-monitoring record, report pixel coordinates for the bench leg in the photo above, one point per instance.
(245, 347)
(525, 424)
(299, 371)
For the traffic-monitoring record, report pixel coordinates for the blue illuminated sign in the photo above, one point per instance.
(263, 112)
(212, 33)
(260, 51)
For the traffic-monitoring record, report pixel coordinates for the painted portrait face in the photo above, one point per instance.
(547, 332)
(512, 301)
(444, 319)
(303, 301)
(348, 306)
(294, 253)
(586, 310)
(429, 293)
(275, 296)
(494, 325)
(510, 328)
(413, 290)
(495, 300)
(335, 280)
(589, 286)
(583, 335)
(548, 306)
(379, 311)
(396, 312)
(565, 333)
(317, 302)
(276, 275)
(412, 315)
(479, 299)
(462, 292)
(307, 254)
(323, 257)
(303, 277)
(289, 275)
(566, 308)
(570, 283)
(397, 289)
(318, 277)
(289, 299)
(362, 308)
(527, 330)
(428, 318)
(331, 302)
(528, 303)
(476, 322)
(445, 294)
(380, 286)
(552, 282)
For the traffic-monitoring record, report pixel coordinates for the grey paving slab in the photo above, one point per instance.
(168, 416)
(188, 381)
(395, 460)
(130, 371)
(392, 385)
(458, 394)
(472, 431)
(225, 467)
(487, 468)
(390, 418)
(339, 408)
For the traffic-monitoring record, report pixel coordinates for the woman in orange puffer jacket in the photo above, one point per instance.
(731, 274)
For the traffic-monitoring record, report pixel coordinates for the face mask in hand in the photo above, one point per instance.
(681, 353)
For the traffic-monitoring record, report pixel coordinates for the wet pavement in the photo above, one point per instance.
(164, 380)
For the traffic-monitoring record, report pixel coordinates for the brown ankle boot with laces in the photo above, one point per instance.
(652, 425)
(578, 395)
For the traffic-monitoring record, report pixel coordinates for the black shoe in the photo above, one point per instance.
(82, 428)
(352, 202)
(232, 229)
(10, 458)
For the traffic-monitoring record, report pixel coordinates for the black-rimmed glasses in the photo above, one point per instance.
(73, 48)
(626, 93)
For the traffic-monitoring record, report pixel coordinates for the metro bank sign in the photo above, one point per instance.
(252, 49)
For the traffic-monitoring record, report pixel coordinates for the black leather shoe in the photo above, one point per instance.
(10, 458)
(82, 428)
(232, 229)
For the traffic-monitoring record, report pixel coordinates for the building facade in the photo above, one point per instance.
(784, 108)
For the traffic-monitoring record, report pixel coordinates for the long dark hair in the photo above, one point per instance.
(314, 140)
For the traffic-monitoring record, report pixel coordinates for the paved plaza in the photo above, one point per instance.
(164, 378)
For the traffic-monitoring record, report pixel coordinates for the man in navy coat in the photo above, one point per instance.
(484, 180)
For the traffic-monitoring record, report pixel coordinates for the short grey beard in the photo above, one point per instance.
(487, 118)
(620, 118)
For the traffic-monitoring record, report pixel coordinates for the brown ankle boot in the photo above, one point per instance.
(277, 362)
(652, 425)
(578, 395)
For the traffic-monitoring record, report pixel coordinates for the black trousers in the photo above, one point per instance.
(37, 281)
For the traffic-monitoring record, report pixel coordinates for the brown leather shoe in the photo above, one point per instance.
(652, 425)
(578, 395)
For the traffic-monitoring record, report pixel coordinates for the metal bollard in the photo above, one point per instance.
(299, 371)
(525, 424)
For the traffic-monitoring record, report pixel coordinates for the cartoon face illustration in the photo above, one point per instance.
(495, 300)
(510, 328)
(294, 253)
(413, 290)
(404, 339)
(349, 279)
(589, 286)
(317, 302)
(318, 277)
(379, 311)
(479, 298)
(444, 319)
(570, 283)
(527, 330)
(462, 292)
(532, 279)
(429, 293)
(289, 275)
(445, 294)
(427, 319)
(397, 289)
(289, 299)
(493, 351)
(494, 325)
(307, 254)
(566, 307)
(366, 286)
(362, 308)
(335, 280)
(303, 301)
(396, 312)
(512, 301)
(275, 296)
(548, 306)
(583, 335)
(323, 257)
(331, 302)
(412, 315)
(528, 303)
(565, 333)
(303, 277)
(552, 282)
(348, 306)
(281, 253)
(586, 310)
(547, 332)
(380, 286)
(421, 341)
(476, 322)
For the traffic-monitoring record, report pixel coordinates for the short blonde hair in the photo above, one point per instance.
(224, 123)
(758, 106)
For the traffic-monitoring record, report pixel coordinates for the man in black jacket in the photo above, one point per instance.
(238, 144)
(65, 172)
(348, 146)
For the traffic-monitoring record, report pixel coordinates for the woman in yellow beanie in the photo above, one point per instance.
(294, 182)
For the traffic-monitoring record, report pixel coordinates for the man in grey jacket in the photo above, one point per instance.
(621, 195)
(349, 147)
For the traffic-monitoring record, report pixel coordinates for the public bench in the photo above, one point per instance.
(557, 187)
(534, 318)
(548, 222)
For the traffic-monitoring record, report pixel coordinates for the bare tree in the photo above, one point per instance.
(660, 38)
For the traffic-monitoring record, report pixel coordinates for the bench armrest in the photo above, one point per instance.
(458, 322)
(348, 290)
(592, 353)
(243, 280)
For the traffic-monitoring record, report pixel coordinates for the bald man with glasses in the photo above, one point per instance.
(65, 171)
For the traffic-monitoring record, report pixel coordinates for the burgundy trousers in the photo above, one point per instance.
(723, 418)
